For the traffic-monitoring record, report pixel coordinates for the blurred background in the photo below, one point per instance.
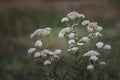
(19, 18)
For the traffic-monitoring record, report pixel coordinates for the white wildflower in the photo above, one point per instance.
(43, 54)
(51, 53)
(73, 15)
(72, 41)
(94, 58)
(80, 44)
(99, 44)
(69, 50)
(85, 22)
(99, 28)
(32, 35)
(90, 67)
(98, 34)
(41, 32)
(102, 63)
(47, 62)
(65, 19)
(74, 48)
(91, 53)
(45, 51)
(64, 31)
(36, 32)
(37, 54)
(81, 16)
(38, 43)
(93, 25)
(55, 56)
(71, 35)
(31, 50)
(107, 47)
(84, 39)
(48, 28)
(58, 51)
(46, 31)
(90, 29)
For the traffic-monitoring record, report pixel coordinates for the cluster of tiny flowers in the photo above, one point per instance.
(93, 56)
(39, 51)
(94, 32)
(64, 31)
(93, 28)
(75, 43)
(73, 15)
(41, 32)
(69, 31)
(101, 45)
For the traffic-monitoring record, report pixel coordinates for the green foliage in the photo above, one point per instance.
(21, 68)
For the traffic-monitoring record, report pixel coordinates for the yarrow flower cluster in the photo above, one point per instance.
(41, 32)
(76, 43)
(73, 15)
(40, 51)
(91, 53)
(65, 19)
(101, 45)
(64, 31)
(93, 56)
(86, 49)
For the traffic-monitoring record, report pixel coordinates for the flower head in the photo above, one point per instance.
(94, 58)
(31, 50)
(71, 35)
(107, 47)
(80, 44)
(51, 53)
(73, 15)
(98, 34)
(45, 51)
(74, 49)
(90, 29)
(85, 22)
(46, 31)
(41, 32)
(90, 67)
(72, 41)
(65, 19)
(32, 35)
(38, 43)
(37, 54)
(64, 31)
(99, 44)
(43, 54)
(84, 39)
(58, 51)
(47, 62)
(91, 53)
(93, 25)
(99, 28)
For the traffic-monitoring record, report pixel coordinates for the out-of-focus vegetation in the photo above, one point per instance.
(14, 62)
(15, 27)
